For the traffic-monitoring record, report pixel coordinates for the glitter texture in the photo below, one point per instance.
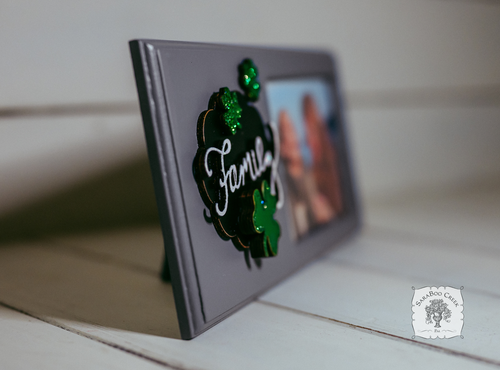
(249, 79)
(231, 108)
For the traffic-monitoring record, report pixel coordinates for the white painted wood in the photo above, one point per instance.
(60, 53)
(28, 343)
(402, 150)
(140, 248)
(101, 286)
(131, 309)
(469, 217)
(265, 337)
(418, 258)
(54, 282)
(394, 150)
(368, 280)
(39, 156)
(380, 300)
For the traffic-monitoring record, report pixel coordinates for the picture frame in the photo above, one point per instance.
(218, 258)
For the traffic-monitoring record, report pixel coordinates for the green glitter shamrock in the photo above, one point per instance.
(231, 108)
(249, 79)
(263, 220)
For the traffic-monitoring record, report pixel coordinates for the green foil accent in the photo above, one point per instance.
(263, 219)
(249, 79)
(231, 108)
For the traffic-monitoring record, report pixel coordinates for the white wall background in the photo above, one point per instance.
(422, 80)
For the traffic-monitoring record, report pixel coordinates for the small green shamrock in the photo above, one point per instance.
(249, 79)
(231, 108)
(263, 220)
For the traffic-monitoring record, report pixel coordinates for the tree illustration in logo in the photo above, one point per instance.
(437, 311)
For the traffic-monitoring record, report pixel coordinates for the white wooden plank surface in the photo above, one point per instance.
(394, 150)
(382, 301)
(59, 53)
(129, 308)
(265, 337)
(469, 216)
(352, 308)
(40, 156)
(368, 280)
(53, 282)
(446, 263)
(28, 343)
(136, 248)
(403, 150)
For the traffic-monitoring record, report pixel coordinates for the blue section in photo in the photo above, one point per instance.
(289, 94)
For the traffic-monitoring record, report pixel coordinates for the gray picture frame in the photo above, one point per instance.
(211, 278)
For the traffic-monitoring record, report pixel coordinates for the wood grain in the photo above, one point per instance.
(351, 308)
(28, 343)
